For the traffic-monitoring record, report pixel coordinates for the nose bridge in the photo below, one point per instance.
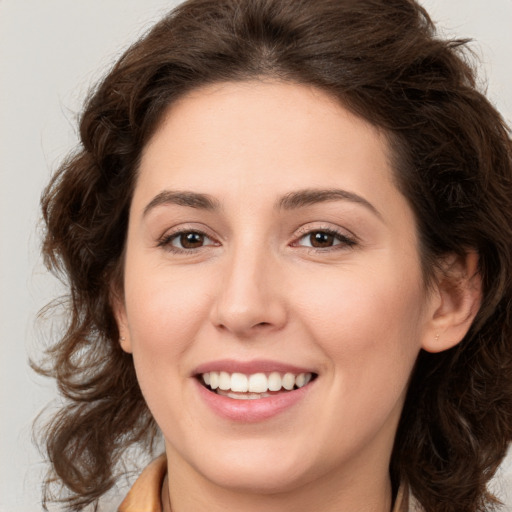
(248, 297)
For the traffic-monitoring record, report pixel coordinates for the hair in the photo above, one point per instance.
(452, 157)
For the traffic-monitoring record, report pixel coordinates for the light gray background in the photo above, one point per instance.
(51, 51)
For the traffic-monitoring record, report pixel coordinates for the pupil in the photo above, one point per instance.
(321, 239)
(191, 240)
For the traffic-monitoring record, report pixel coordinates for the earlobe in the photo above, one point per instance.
(456, 302)
(124, 341)
(119, 310)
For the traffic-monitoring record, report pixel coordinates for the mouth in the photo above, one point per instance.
(240, 386)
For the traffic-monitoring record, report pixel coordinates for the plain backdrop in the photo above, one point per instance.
(51, 52)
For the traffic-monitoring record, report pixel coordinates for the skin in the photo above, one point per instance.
(356, 313)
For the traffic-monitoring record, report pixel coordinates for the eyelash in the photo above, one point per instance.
(344, 240)
(166, 241)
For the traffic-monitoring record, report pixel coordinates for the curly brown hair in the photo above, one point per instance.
(383, 60)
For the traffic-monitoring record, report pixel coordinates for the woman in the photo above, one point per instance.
(287, 235)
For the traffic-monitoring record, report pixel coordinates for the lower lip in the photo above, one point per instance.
(251, 411)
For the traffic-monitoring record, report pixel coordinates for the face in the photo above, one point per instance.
(270, 253)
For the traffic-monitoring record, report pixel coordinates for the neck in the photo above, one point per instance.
(188, 491)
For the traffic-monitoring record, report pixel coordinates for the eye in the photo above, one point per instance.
(185, 241)
(324, 239)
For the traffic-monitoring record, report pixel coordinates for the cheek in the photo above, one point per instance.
(369, 324)
(164, 310)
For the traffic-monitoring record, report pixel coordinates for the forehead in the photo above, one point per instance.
(249, 139)
(261, 110)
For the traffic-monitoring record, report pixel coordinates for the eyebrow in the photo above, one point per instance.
(308, 197)
(190, 199)
(290, 201)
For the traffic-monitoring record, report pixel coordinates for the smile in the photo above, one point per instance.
(240, 386)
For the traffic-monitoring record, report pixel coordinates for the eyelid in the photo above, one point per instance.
(347, 238)
(165, 241)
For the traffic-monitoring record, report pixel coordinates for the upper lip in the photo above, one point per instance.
(249, 367)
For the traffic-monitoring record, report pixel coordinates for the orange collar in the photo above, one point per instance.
(145, 494)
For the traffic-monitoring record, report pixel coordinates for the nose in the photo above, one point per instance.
(250, 298)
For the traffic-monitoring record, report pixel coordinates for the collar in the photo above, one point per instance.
(145, 494)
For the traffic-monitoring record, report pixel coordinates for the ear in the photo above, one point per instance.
(119, 309)
(455, 302)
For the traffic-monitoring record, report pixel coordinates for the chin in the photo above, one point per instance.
(259, 481)
(258, 474)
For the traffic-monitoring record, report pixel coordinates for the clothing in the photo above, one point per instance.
(145, 495)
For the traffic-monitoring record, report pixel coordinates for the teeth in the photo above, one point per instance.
(224, 381)
(274, 382)
(288, 381)
(300, 380)
(239, 382)
(214, 380)
(243, 396)
(256, 385)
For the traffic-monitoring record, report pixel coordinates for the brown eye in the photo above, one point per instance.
(325, 239)
(321, 239)
(189, 240)
(186, 241)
